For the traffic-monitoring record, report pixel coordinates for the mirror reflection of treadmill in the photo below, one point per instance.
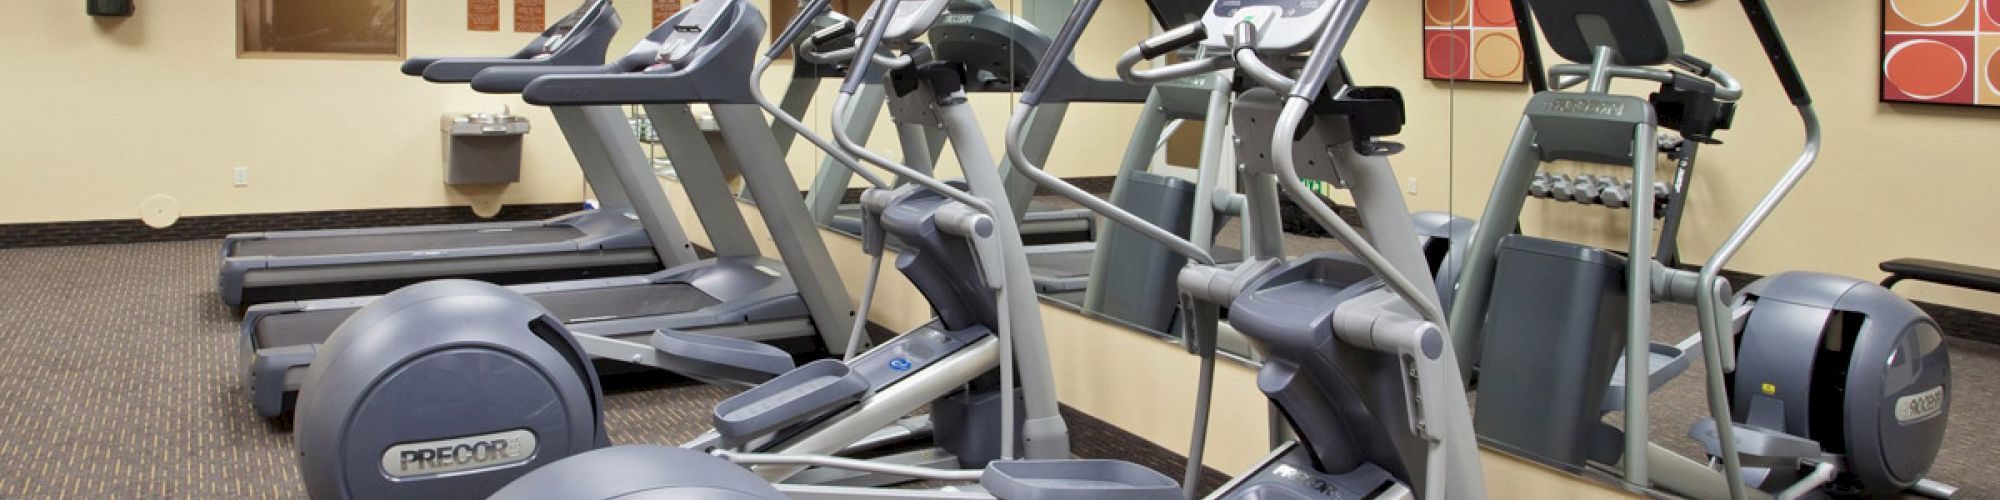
(609, 241)
(1011, 46)
(795, 303)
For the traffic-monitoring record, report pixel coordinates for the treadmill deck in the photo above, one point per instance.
(404, 242)
(568, 306)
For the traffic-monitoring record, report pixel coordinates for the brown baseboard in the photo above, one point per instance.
(100, 232)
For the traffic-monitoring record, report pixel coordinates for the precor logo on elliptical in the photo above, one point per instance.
(1920, 406)
(1584, 107)
(1304, 480)
(459, 454)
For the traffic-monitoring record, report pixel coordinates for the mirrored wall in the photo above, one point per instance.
(1152, 150)
(1456, 74)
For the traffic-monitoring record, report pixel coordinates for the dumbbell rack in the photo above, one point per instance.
(1669, 198)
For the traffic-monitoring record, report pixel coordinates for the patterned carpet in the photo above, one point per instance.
(118, 380)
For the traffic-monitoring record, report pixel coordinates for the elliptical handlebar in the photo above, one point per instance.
(1245, 56)
(1162, 44)
(1713, 293)
(1727, 87)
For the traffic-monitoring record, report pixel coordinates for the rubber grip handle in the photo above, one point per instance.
(1774, 49)
(1699, 66)
(822, 37)
(1173, 40)
(1531, 47)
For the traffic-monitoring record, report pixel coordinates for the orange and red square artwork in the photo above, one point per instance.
(1472, 40)
(1941, 51)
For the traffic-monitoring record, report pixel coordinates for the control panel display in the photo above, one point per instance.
(1283, 26)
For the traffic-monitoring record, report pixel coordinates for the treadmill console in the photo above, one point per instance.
(1283, 26)
(557, 35)
(693, 28)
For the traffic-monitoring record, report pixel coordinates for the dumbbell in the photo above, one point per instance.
(1614, 184)
(1616, 195)
(1588, 188)
(1559, 187)
(1539, 188)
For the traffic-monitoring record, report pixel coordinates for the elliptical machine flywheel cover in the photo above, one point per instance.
(443, 389)
(1857, 368)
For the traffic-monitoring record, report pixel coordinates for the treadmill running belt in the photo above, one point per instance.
(404, 242)
(569, 306)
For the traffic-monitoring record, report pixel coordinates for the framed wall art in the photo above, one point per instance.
(1941, 51)
(1472, 40)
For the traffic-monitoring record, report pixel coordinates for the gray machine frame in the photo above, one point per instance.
(797, 301)
(614, 239)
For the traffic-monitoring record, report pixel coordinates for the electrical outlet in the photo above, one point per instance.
(242, 176)
(1412, 185)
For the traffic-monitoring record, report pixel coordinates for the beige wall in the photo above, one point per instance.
(159, 104)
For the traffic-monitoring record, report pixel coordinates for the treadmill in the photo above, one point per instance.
(609, 241)
(1013, 49)
(797, 304)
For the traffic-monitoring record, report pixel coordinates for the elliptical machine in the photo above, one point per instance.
(1363, 371)
(1829, 386)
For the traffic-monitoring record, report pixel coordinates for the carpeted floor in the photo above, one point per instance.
(118, 379)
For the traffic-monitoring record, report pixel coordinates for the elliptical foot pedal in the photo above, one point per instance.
(1076, 480)
(1757, 446)
(803, 393)
(720, 360)
(1663, 363)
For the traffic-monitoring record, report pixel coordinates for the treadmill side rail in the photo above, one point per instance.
(270, 378)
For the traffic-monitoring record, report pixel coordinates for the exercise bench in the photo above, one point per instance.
(1943, 273)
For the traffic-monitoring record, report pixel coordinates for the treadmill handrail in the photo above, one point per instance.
(514, 79)
(640, 77)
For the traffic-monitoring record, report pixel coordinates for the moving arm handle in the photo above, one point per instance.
(1175, 39)
(1777, 52)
